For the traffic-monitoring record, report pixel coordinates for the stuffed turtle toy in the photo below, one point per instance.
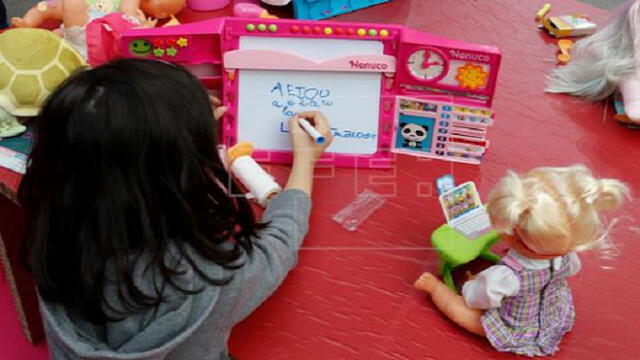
(33, 62)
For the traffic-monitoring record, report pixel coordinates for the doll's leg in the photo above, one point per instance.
(45, 10)
(451, 304)
(630, 89)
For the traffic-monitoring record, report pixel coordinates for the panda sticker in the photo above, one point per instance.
(413, 134)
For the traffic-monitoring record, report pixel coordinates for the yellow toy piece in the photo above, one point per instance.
(569, 25)
(33, 62)
(564, 45)
(238, 150)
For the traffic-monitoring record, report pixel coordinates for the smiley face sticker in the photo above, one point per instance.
(140, 47)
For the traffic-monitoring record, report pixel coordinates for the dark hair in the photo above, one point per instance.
(125, 163)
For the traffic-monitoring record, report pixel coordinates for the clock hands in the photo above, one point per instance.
(427, 64)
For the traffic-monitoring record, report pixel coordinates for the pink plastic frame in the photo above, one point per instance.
(214, 44)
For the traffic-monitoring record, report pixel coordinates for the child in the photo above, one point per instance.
(524, 304)
(138, 245)
(3, 16)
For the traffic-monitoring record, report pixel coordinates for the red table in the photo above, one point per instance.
(352, 296)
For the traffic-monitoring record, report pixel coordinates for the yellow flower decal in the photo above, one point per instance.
(472, 76)
(182, 42)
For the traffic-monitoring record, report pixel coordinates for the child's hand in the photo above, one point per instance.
(470, 276)
(304, 146)
(216, 105)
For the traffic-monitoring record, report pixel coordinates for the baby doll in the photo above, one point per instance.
(162, 9)
(75, 15)
(524, 305)
(93, 26)
(605, 62)
(76, 12)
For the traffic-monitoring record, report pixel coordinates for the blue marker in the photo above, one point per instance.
(311, 131)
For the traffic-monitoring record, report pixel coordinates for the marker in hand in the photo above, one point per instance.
(306, 125)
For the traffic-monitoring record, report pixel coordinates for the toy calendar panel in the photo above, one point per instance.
(432, 65)
(440, 129)
(438, 69)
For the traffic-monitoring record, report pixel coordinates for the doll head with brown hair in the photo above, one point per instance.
(551, 211)
(161, 9)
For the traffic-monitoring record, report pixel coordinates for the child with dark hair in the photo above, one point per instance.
(3, 16)
(138, 247)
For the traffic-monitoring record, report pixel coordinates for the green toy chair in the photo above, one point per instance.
(455, 249)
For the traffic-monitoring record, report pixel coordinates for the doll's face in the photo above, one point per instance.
(161, 9)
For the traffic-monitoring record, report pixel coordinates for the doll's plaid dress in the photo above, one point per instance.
(534, 321)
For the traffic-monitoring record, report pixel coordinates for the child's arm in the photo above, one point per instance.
(306, 151)
(489, 287)
(287, 216)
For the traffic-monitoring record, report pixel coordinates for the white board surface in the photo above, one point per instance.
(349, 100)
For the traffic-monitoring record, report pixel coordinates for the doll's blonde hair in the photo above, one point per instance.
(554, 210)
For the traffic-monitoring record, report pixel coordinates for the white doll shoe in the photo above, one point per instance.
(277, 2)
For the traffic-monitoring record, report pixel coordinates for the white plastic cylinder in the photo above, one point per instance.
(260, 184)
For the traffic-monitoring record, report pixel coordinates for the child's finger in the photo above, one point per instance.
(214, 100)
(294, 124)
(318, 120)
(219, 112)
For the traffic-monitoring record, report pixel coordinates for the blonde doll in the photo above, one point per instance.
(524, 305)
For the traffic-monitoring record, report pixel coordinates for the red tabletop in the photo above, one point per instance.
(352, 296)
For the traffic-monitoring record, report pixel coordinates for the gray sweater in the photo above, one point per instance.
(189, 327)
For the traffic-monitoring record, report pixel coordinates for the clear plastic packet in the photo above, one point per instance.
(355, 213)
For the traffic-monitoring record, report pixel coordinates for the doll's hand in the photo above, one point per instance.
(145, 22)
(216, 105)
(470, 276)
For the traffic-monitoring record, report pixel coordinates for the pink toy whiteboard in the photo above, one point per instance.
(355, 73)
(268, 98)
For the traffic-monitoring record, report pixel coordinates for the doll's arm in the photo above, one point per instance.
(130, 7)
(574, 264)
(75, 13)
(489, 287)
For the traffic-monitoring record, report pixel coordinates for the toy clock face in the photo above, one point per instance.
(427, 64)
